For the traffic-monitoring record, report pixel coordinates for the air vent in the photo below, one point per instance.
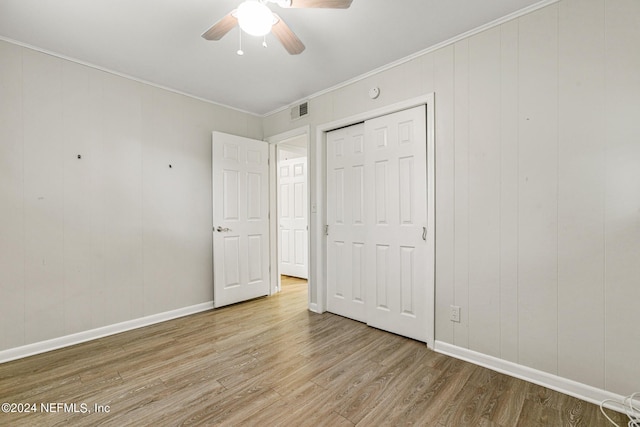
(300, 111)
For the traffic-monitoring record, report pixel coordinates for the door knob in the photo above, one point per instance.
(223, 230)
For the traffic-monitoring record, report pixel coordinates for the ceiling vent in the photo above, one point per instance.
(300, 111)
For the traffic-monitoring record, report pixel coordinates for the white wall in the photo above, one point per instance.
(537, 185)
(115, 235)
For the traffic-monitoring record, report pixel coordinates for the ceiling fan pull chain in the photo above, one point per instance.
(256, 18)
(240, 51)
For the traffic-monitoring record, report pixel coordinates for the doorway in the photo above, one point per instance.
(293, 215)
(289, 199)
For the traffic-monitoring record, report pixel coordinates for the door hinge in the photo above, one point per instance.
(326, 230)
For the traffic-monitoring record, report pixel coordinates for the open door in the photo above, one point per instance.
(240, 173)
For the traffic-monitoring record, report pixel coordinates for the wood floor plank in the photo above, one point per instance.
(404, 404)
(312, 406)
(271, 362)
(509, 398)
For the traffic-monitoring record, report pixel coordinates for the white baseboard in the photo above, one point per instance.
(545, 379)
(314, 308)
(68, 340)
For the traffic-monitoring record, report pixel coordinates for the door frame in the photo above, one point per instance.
(273, 141)
(279, 148)
(317, 163)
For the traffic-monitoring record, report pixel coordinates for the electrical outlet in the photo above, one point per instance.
(455, 313)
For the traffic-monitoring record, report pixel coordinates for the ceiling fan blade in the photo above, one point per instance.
(289, 40)
(332, 4)
(220, 28)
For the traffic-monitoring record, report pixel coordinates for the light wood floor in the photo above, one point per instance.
(271, 362)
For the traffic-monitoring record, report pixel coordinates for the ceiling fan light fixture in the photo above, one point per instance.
(255, 18)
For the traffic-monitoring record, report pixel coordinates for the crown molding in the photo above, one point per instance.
(492, 24)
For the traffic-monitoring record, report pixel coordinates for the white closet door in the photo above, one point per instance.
(346, 215)
(293, 217)
(378, 261)
(397, 251)
(240, 219)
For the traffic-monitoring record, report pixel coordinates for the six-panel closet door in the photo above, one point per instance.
(346, 237)
(377, 266)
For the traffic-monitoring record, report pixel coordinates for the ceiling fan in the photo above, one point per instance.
(255, 18)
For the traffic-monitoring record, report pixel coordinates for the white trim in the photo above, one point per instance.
(393, 64)
(499, 21)
(80, 337)
(123, 75)
(372, 114)
(472, 32)
(314, 308)
(545, 379)
(274, 258)
(317, 160)
(303, 130)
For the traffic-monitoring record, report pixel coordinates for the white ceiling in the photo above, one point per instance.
(159, 41)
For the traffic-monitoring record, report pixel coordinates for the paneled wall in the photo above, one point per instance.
(537, 185)
(537, 190)
(120, 233)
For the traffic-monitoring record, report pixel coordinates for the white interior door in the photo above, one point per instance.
(397, 252)
(240, 218)
(346, 218)
(293, 217)
(378, 264)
